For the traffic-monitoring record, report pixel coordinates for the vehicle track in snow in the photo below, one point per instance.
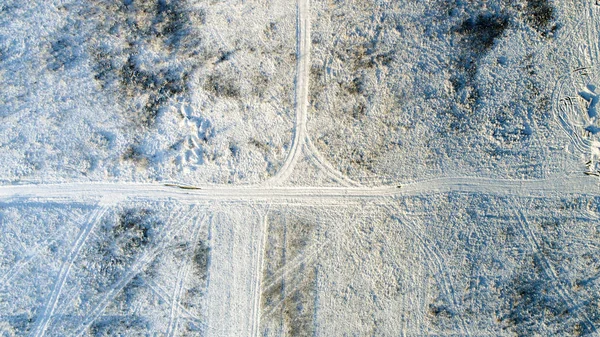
(301, 142)
(166, 297)
(258, 272)
(32, 255)
(569, 97)
(307, 257)
(547, 267)
(301, 100)
(434, 259)
(44, 318)
(182, 276)
(301, 145)
(136, 268)
(70, 192)
(322, 163)
(174, 314)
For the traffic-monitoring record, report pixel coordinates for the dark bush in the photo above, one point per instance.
(482, 30)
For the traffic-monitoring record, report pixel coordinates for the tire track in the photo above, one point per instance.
(42, 323)
(434, 257)
(591, 34)
(181, 279)
(258, 275)
(306, 257)
(22, 263)
(547, 266)
(174, 315)
(592, 15)
(163, 295)
(325, 166)
(564, 106)
(562, 103)
(301, 100)
(137, 268)
(68, 192)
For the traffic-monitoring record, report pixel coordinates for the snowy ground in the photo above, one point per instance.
(296, 168)
(146, 91)
(419, 89)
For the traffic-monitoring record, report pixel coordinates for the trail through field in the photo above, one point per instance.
(302, 74)
(69, 192)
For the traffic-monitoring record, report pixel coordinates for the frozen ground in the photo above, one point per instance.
(297, 168)
(145, 91)
(419, 89)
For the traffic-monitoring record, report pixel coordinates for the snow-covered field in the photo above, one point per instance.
(146, 91)
(418, 89)
(299, 168)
